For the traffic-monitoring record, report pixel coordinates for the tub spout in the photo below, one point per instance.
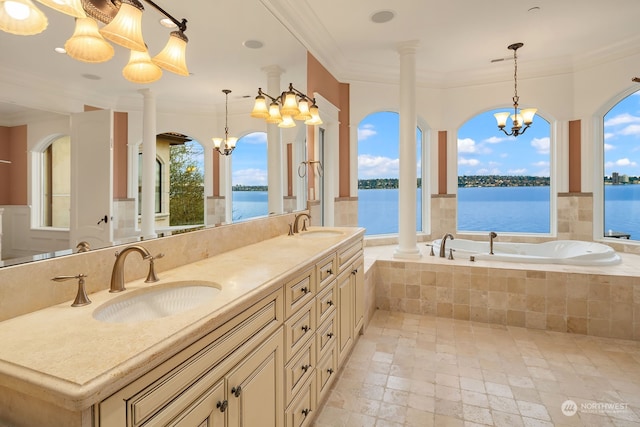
(492, 235)
(443, 242)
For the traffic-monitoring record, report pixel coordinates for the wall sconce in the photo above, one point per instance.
(123, 26)
(518, 118)
(289, 106)
(227, 144)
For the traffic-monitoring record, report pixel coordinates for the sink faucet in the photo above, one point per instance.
(492, 235)
(117, 274)
(443, 242)
(297, 220)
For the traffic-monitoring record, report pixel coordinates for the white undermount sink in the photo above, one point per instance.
(317, 234)
(157, 302)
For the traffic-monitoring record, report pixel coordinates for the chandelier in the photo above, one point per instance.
(289, 106)
(122, 21)
(225, 145)
(518, 118)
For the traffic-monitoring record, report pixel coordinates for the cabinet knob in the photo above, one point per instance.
(330, 371)
(306, 412)
(354, 271)
(305, 328)
(329, 271)
(236, 391)
(222, 405)
(330, 334)
(305, 290)
(305, 368)
(329, 303)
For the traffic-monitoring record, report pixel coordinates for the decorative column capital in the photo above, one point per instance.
(273, 70)
(408, 47)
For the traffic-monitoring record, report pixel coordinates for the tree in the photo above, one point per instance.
(186, 189)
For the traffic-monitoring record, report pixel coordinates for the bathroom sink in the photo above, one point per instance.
(318, 234)
(157, 302)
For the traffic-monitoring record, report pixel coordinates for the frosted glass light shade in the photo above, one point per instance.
(274, 114)
(287, 122)
(140, 69)
(517, 120)
(173, 56)
(86, 44)
(501, 118)
(315, 116)
(68, 7)
(290, 105)
(126, 27)
(528, 114)
(21, 17)
(260, 110)
(303, 107)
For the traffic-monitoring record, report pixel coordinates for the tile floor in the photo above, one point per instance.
(413, 370)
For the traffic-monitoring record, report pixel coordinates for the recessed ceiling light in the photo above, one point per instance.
(383, 16)
(168, 23)
(253, 44)
(60, 50)
(91, 77)
(534, 9)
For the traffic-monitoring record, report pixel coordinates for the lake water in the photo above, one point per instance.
(506, 209)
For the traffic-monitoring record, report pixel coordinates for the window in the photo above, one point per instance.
(158, 187)
(56, 184)
(378, 164)
(622, 169)
(503, 182)
(249, 177)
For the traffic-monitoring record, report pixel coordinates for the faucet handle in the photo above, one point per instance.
(451, 250)
(431, 253)
(290, 229)
(151, 275)
(304, 225)
(81, 296)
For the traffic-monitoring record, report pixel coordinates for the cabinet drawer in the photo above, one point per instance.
(299, 329)
(326, 303)
(348, 254)
(299, 291)
(300, 411)
(326, 335)
(326, 372)
(326, 271)
(299, 369)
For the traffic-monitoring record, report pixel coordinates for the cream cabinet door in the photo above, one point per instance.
(255, 387)
(357, 276)
(345, 315)
(208, 410)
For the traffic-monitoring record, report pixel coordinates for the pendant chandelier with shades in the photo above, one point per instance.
(291, 105)
(227, 144)
(518, 118)
(122, 21)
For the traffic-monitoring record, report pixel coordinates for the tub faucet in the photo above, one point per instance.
(443, 242)
(492, 235)
(296, 228)
(117, 274)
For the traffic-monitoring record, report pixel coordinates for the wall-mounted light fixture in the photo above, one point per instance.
(227, 144)
(518, 117)
(123, 26)
(289, 106)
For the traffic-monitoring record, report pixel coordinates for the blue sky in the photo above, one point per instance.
(622, 137)
(249, 160)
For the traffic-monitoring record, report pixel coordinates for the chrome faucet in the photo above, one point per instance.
(492, 235)
(297, 220)
(117, 274)
(443, 242)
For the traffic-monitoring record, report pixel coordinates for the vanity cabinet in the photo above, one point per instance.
(350, 285)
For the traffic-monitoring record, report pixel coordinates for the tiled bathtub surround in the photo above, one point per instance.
(601, 301)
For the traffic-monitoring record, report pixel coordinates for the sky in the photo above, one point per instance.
(249, 160)
(622, 137)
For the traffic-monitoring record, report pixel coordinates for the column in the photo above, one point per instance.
(148, 164)
(407, 238)
(275, 196)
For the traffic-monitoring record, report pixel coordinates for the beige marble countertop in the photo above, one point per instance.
(62, 355)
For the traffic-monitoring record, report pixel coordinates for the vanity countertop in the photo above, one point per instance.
(62, 355)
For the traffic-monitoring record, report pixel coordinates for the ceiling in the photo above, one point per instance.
(457, 39)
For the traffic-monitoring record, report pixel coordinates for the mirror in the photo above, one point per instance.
(225, 55)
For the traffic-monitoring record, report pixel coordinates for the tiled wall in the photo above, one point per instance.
(592, 304)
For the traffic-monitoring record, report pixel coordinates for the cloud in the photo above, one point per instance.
(486, 171)
(462, 161)
(633, 130)
(609, 135)
(366, 131)
(622, 119)
(521, 171)
(377, 167)
(496, 140)
(609, 147)
(466, 145)
(542, 145)
(621, 163)
(541, 163)
(255, 138)
(250, 177)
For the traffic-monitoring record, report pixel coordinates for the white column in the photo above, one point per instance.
(407, 237)
(275, 202)
(148, 164)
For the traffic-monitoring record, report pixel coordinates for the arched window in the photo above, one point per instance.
(378, 164)
(621, 158)
(249, 177)
(56, 184)
(504, 182)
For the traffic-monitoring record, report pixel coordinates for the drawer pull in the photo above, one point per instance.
(305, 290)
(236, 391)
(305, 368)
(306, 328)
(306, 412)
(330, 335)
(329, 271)
(222, 405)
(329, 303)
(330, 371)
(354, 271)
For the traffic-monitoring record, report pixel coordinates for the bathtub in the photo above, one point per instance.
(573, 252)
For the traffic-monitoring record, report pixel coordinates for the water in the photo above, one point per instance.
(507, 209)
